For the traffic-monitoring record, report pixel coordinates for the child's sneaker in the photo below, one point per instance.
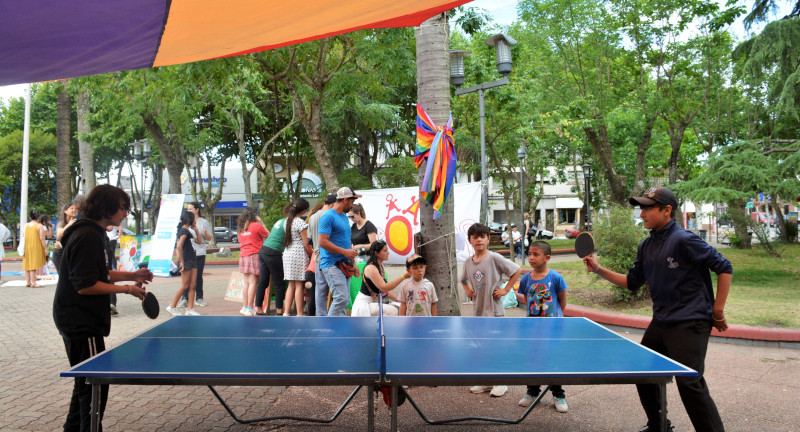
(480, 389)
(526, 400)
(499, 390)
(173, 311)
(192, 312)
(560, 404)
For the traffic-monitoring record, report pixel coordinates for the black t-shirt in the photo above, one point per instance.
(83, 264)
(187, 248)
(360, 236)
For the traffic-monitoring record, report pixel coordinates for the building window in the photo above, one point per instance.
(566, 216)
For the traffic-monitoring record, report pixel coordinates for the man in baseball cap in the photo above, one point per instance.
(345, 193)
(330, 199)
(655, 195)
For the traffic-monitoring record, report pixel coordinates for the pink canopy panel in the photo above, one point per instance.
(42, 40)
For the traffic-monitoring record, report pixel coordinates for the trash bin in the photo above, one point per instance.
(702, 234)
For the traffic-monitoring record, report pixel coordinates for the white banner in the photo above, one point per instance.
(395, 212)
(162, 243)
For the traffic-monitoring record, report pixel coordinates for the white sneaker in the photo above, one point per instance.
(499, 390)
(249, 312)
(560, 404)
(173, 311)
(242, 310)
(192, 312)
(480, 389)
(182, 303)
(526, 401)
(200, 302)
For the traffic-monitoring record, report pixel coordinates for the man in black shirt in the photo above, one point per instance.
(80, 306)
(675, 264)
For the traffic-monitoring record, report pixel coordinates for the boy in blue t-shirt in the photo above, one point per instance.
(544, 294)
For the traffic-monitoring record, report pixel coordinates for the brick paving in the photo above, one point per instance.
(756, 388)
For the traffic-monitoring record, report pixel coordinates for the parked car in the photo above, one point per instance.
(226, 235)
(573, 231)
(762, 218)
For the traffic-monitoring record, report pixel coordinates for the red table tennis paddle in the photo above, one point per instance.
(584, 246)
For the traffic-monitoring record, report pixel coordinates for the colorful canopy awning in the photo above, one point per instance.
(46, 40)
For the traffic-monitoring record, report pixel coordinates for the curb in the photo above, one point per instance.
(735, 331)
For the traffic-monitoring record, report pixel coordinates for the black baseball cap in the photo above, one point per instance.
(330, 199)
(415, 258)
(660, 195)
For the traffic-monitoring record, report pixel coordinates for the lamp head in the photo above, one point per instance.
(502, 47)
(587, 171)
(457, 67)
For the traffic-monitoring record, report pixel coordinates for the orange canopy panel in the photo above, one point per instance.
(42, 41)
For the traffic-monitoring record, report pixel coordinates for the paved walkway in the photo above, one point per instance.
(755, 388)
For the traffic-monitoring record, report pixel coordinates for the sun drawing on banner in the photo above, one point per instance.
(399, 233)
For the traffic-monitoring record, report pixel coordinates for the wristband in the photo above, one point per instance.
(720, 319)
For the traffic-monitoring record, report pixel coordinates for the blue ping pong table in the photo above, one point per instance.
(389, 352)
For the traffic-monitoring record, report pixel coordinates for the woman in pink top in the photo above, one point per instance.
(251, 235)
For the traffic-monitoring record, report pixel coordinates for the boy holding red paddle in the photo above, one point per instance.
(676, 264)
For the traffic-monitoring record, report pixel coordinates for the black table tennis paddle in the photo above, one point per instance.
(150, 305)
(584, 246)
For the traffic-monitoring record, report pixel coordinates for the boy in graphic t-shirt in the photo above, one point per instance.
(544, 294)
(418, 295)
(481, 279)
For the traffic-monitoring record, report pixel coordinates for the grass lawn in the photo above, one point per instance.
(765, 291)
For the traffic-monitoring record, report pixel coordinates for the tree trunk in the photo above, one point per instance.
(598, 138)
(311, 118)
(437, 242)
(171, 152)
(88, 178)
(641, 155)
(64, 177)
(740, 221)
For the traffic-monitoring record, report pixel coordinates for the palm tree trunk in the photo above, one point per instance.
(437, 239)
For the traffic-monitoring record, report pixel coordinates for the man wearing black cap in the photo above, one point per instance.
(675, 264)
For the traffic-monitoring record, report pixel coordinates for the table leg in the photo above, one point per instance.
(394, 408)
(95, 423)
(662, 410)
(370, 409)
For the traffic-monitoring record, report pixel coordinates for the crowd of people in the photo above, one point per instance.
(318, 254)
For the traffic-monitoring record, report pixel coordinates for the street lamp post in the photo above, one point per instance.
(141, 152)
(587, 174)
(502, 44)
(521, 153)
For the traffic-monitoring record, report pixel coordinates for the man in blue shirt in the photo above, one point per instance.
(335, 247)
(675, 264)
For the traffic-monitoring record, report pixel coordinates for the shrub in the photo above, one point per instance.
(617, 239)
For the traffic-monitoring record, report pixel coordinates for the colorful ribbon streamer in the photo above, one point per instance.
(441, 169)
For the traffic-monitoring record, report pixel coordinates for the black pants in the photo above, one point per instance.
(271, 265)
(111, 255)
(556, 390)
(198, 291)
(80, 406)
(311, 279)
(686, 343)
